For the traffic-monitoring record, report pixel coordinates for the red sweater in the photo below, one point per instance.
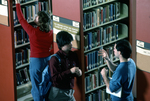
(40, 42)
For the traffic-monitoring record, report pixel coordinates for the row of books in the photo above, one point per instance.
(101, 15)
(22, 76)
(94, 79)
(20, 37)
(93, 60)
(88, 3)
(100, 36)
(30, 11)
(98, 95)
(22, 56)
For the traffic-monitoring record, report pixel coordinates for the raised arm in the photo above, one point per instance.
(26, 26)
(110, 64)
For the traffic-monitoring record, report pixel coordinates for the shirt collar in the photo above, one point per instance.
(63, 53)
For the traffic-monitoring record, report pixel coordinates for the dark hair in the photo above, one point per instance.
(63, 38)
(44, 21)
(124, 47)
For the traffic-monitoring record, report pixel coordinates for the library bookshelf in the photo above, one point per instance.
(86, 12)
(21, 46)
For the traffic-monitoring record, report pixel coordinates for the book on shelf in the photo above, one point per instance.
(98, 16)
(117, 12)
(43, 6)
(22, 76)
(22, 56)
(20, 37)
(90, 40)
(95, 76)
(98, 38)
(85, 42)
(101, 15)
(86, 62)
(19, 79)
(84, 22)
(117, 34)
(26, 72)
(94, 39)
(111, 13)
(92, 81)
(87, 83)
(98, 95)
(15, 18)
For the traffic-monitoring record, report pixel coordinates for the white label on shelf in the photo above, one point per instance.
(75, 24)
(143, 51)
(4, 2)
(55, 18)
(75, 37)
(140, 43)
(3, 10)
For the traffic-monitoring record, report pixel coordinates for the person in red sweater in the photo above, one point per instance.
(41, 43)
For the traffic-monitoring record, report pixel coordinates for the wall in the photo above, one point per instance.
(143, 34)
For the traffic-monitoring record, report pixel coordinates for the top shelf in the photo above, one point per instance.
(26, 3)
(103, 3)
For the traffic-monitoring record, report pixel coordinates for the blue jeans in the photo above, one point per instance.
(36, 67)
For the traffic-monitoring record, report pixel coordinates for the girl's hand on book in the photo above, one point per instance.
(17, 1)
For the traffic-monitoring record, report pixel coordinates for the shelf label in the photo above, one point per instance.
(75, 24)
(140, 43)
(143, 51)
(4, 13)
(55, 18)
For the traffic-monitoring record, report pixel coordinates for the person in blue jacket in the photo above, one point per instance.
(123, 74)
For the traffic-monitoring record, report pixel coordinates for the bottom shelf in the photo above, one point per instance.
(26, 98)
(23, 90)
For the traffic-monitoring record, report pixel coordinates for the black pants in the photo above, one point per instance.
(57, 94)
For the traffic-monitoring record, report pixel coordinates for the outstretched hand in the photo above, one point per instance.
(103, 53)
